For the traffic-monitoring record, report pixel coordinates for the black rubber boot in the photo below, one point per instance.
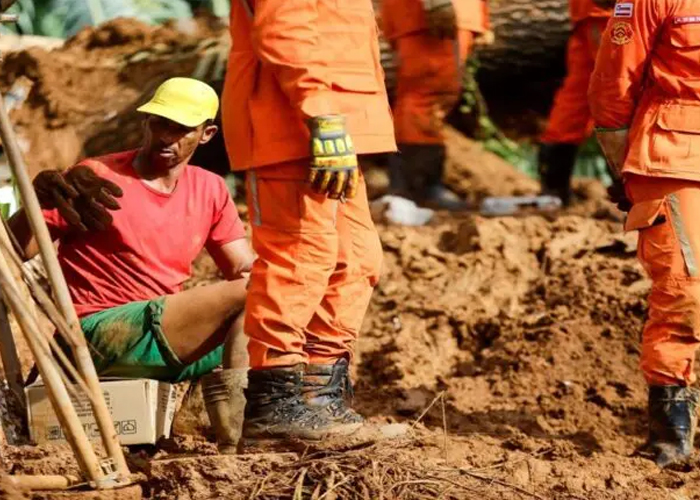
(424, 167)
(276, 409)
(328, 388)
(556, 166)
(225, 402)
(398, 183)
(672, 422)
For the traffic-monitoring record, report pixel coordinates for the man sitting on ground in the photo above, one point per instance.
(125, 262)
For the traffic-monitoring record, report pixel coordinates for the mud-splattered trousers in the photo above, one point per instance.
(318, 262)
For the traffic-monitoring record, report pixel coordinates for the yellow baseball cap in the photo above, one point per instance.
(186, 101)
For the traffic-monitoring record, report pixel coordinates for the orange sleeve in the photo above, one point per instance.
(286, 37)
(487, 15)
(623, 57)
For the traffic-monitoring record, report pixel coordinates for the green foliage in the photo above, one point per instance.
(589, 163)
(64, 18)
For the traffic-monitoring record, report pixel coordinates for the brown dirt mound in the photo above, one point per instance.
(520, 338)
(83, 96)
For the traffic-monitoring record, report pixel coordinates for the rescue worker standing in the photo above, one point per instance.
(570, 120)
(645, 100)
(432, 39)
(304, 94)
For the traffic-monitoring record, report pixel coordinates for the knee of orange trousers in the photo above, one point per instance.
(672, 333)
(419, 118)
(570, 119)
(429, 79)
(333, 331)
(287, 284)
(282, 300)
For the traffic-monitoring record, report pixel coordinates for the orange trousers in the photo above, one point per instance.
(318, 261)
(665, 212)
(570, 119)
(429, 79)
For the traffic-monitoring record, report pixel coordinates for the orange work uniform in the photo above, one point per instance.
(570, 118)
(647, 79)
(318, 259)
(430, 70)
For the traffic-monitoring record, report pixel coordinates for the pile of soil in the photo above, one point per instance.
(510, 345)
(82, 96)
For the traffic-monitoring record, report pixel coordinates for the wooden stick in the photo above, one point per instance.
(60, 289)
(49, 309)
(55, 389)
(10, 359)
(45, 482)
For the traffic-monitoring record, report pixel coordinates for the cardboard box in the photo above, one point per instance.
(142, 411)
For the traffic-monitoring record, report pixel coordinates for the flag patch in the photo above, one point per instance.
(624, 9)
(686, 20)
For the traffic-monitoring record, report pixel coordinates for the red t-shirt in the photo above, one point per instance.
(149, 249)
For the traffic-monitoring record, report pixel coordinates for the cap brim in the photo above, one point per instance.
(176, 115)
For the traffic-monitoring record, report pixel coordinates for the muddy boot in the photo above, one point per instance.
(435, 194)
(672, 422)
(276, 409)
(398, 183)
(556, 166)
(424, 167)
(225, 403)
(328, 388)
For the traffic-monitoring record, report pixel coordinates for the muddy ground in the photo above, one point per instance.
(509, 345)
(520, 338)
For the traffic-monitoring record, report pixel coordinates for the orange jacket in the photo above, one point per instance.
(298, 59)
(402, 17)
(647, 78)
(583, 9)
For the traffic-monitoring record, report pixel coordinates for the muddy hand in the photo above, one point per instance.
(441, 18)
(96, 196)
(54, 192)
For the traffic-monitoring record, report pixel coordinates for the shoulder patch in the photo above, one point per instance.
(621, 33)
(623, 9)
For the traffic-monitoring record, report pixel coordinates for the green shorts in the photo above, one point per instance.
(128, 342)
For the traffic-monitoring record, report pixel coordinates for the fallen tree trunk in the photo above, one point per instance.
(531, 37)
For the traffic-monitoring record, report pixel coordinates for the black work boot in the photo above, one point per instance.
(424, 167)
(276, 409)
(672, 422)
(328, 387)
(225, 403)
(556, 166)
(398, 182)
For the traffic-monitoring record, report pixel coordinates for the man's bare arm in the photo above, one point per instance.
(234, 259)
(22, 231)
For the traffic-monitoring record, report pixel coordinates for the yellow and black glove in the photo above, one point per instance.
(333, 170)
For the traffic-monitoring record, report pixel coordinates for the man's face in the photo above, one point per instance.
(169, 144)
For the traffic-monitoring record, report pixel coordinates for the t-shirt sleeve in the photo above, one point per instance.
(57, 225)
(226, 224)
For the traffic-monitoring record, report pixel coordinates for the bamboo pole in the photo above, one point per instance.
(23, 482)
(81, 353)
(56, 390)
(49, 309)
(10, 359)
